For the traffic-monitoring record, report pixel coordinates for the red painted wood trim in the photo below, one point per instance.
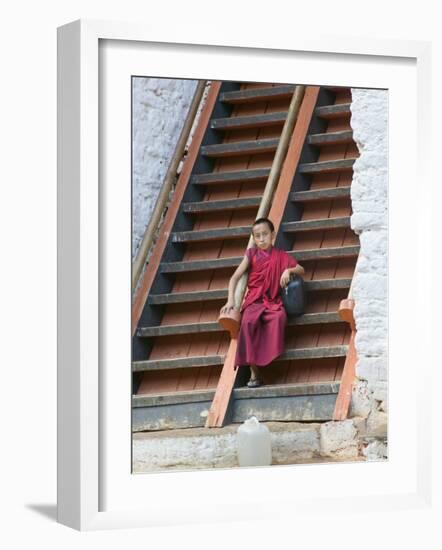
(348, 375)
(217, 413)
(293, 155)
(172, 211)
(346, 312)
(227, 379)
(343, 400)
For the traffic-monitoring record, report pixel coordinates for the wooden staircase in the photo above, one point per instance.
(179, 349)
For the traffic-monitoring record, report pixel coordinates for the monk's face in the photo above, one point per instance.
(263, 236)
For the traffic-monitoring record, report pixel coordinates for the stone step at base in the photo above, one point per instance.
(292, 443)
(288, 402)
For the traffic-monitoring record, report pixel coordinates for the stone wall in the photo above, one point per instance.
(369, 121)
(292, 443)
(160, 108)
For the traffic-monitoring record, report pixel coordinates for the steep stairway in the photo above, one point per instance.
(179, 349)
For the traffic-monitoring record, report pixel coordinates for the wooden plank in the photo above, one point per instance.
(321, 194)
(236, 148)
(253, 121)
(171, 330)
(171, 416)
(221, 399)
(287, 390)
(331, 138)
(231, 177)
(327, 166)
(221, 294)
(200, 265)
(183, 179)
(222, 205)
(347, 380)
(172, 398)
(333, 111)
(211, 234)
(210, 360)
(313, 353)
(222, 263)
(177, 363)
(245, 96)
(314, 225)
(346, 310)
(195, 328)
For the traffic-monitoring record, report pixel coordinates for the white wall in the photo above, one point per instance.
(369, 121)
(160, 107)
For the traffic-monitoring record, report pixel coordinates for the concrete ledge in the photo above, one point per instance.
(200, 448)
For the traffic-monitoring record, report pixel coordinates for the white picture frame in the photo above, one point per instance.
(95, 487)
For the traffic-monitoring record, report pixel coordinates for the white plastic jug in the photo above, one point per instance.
(254, 445)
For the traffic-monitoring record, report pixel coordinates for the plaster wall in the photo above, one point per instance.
(160, 108)
(369, 121)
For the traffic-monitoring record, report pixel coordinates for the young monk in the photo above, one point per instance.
(263, 322)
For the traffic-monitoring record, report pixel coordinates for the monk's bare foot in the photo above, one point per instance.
(254, 381)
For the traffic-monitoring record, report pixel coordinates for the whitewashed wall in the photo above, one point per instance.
(369, 121)
(160, 107)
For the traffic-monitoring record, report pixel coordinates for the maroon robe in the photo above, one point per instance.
(263, 322)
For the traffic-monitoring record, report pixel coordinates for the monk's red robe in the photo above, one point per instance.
(263, 322)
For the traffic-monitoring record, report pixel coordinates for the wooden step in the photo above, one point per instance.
(183, 409)
(249, 121)
(172, 398)
(282, 402)
(214, 360)
(237, 148)
(336, 88)
(177, 363)
(211, 234)
(221, 294)
(287, 390)
(327, 166)
(240, 232)
(333, 111)
(321, 194)
(221, 263)
(258, 94)
(239, 203)
(236, 176)
(313, 353)
(331, 138)
(286, 402)
(214, 326)
(315, 225)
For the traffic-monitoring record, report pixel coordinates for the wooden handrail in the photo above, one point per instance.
(346, 309)
(163, 197)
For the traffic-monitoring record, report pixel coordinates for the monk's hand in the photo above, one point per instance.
(227, 308)
(285, 278)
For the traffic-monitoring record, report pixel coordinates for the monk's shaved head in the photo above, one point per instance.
(264, 220)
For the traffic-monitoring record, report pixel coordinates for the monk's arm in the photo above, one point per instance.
(297, 270)
(285, 277)
(240, 270)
